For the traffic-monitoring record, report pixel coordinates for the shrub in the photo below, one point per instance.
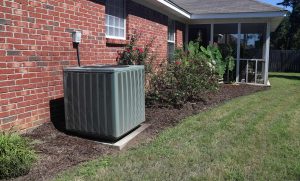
(16, 156)
(191, 75)
(163, 89)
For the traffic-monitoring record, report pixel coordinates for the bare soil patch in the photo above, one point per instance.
(59, 151)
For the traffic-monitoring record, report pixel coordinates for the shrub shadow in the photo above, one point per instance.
(291, 77)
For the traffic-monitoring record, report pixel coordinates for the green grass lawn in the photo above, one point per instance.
(255, 137)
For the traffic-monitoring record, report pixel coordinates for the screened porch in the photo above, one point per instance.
(249, 41)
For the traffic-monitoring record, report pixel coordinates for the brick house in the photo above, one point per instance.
(35, 43)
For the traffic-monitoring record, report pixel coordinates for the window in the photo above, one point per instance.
(171, 39)
(115, 19)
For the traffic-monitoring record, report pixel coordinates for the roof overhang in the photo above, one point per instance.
(167, 8)
(274, 18)
(175, 12)
(239, 15)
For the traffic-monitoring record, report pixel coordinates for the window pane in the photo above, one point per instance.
(171, 51)
(117, 22)
(106, 29)
(111, 31)
(111, 20)
(122, 24)
(122, 33)
(117, 32)
(115, 19)
(171, 30)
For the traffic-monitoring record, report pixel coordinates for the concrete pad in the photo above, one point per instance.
(124, 141)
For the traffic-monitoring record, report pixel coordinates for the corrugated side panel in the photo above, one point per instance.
(130, 100)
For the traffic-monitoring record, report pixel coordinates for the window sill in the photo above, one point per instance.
(111, 41)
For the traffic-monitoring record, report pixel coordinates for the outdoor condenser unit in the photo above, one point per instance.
(104, 101)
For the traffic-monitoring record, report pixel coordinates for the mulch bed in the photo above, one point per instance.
(59, 151)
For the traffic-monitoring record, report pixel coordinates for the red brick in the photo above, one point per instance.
(7, 83)
(16, 100)
(4, 114)
(14, 40)
(22, 81)
(6, 34)
(41, 46)
(24, 115)
(5, 126)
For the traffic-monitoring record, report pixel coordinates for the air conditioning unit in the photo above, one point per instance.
(104, 101)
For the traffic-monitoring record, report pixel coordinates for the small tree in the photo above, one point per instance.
(287, 35)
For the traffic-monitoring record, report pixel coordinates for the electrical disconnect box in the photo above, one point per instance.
(76, 36)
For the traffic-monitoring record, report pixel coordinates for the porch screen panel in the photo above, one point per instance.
(253, 38)
(115, 19)
(226, 36)
(200, 33)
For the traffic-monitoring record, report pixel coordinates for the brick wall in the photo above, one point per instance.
(152, 25)
(35, 45)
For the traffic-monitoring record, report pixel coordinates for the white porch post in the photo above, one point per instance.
(211, 34)
(267, 53)
(238, 53)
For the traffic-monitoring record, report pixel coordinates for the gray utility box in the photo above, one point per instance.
(104, 101)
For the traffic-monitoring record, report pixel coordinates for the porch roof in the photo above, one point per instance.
(215, 11)
(199, 7)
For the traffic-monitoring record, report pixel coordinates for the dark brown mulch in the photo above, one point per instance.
(58, 151)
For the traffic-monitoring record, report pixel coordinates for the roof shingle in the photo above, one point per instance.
(224, 6)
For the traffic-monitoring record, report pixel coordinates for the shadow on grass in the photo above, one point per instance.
(291, 77)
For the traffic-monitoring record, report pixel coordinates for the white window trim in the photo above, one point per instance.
(174, 39)
(174, 27)
(125, 25)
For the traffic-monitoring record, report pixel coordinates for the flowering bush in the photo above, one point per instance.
(135, 55)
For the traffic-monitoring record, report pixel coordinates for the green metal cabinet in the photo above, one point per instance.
(104, 101)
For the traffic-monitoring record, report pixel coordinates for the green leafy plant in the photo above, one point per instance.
(227, 52)
(16, 156)
(215, 59)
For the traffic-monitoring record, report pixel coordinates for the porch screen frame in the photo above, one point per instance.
(266, 52)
